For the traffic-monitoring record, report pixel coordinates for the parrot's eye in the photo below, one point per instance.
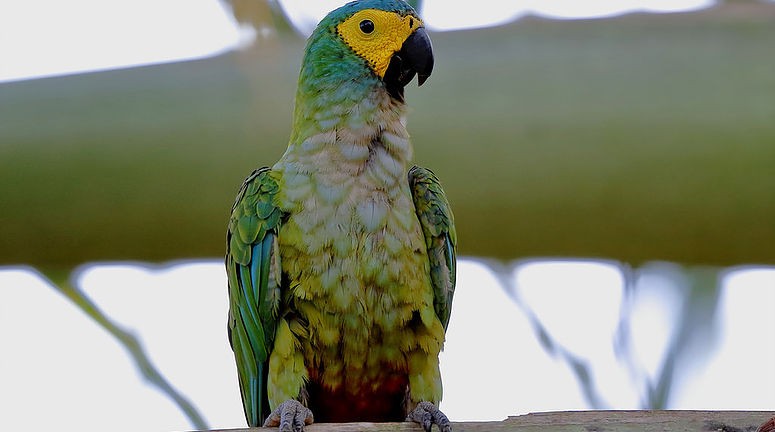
(367, 26)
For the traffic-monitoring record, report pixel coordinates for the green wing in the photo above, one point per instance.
(254, 275)
(438, 227)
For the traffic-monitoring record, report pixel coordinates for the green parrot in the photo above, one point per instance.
(341, 259)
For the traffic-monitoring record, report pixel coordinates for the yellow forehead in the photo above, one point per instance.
(390, 32)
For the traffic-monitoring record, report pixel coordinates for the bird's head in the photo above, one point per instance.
(368, 42)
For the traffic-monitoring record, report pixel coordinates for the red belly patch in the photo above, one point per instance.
(386, 404)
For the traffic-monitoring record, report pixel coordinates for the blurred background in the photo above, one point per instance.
(609, 163)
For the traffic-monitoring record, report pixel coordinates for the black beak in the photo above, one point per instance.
(415, 57)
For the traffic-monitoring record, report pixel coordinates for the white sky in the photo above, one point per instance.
(53, 37)
(55, 361)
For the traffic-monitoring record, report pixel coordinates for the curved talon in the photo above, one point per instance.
(291, 416)
(426, 414)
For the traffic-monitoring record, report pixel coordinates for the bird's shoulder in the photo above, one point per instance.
(431, 204)
(254, 213)
(438, 227)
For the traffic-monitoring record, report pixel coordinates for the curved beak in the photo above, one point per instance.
(415, 57)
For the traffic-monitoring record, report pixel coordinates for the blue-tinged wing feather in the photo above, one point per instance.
(438, 227)
(253, 225)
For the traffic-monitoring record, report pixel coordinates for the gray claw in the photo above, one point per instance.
(426, 414)
(291, 416)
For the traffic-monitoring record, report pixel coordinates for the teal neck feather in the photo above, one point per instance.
(338, 94)
(337, 89)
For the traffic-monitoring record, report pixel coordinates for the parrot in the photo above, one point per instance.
(341, 257)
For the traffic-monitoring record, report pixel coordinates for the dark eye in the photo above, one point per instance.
(366, 26)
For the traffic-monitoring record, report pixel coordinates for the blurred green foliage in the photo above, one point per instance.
(637, 138)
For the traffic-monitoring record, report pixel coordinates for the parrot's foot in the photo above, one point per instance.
(291, 416)
(426, 414)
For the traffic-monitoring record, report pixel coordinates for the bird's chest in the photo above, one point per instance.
(354, 245)
(357, 266)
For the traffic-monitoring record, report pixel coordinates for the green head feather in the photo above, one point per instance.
(333, 78)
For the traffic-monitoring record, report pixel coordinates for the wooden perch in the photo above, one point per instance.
(576, 421)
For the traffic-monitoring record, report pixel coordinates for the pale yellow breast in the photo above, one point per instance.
(357, 261)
